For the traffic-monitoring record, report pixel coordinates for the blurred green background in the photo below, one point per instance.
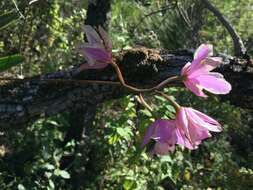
(43, 36)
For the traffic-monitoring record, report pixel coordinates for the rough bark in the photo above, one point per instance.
(27, 100)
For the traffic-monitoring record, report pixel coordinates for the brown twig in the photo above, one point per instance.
(142, 101)
(138, 90)
(167, 7)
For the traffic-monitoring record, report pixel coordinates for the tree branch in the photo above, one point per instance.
(162, 9)
(239, 48)
(24, 101)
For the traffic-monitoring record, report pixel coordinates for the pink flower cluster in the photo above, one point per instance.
(198, 76)
(188, 130)
(190, 126)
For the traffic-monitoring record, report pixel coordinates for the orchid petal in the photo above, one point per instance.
(185, 69)
(149, 133)
(107, 41)
(203, 51)
(212, 62)
(163, 132)
(205, 121)
(89, 58)
(183, 140)
(198, 133)
(96, 51)
(207, 65)
(194, 88)
(88, 45)
(98, 54)
(193, 126)
(182, 121)
(92, 35)
(213, 83)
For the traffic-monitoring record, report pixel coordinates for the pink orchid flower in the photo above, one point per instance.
(162, 131)
(193, 127)
(198, 76)
(98, 49)
(188, 130)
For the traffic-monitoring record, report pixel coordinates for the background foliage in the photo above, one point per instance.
(43, 37)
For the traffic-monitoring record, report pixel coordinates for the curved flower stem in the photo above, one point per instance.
(134, 89)
(174, 103)
(142, 101)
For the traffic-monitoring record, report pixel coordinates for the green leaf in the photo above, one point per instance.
(160, 98)
(170, 108)
(52, 122)
(113, 139)
(64, 174)
(51, 184)
(10, 61)
(48, 166)
(129, 184)
(8, 18)
(48, 174)
(125, 133)
(146, 112)
(122, 132)
(21, 187)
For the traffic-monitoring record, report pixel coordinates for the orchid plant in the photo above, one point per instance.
(98, 49)
(189, 127)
